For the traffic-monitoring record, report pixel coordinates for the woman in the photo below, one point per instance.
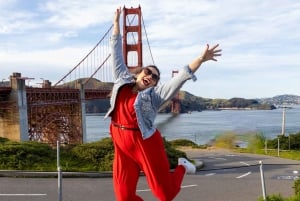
(135, 102)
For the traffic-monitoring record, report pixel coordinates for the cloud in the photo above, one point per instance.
(77, 14)
(57, 37)
(259, 39)
(16, 22)
(48, 64)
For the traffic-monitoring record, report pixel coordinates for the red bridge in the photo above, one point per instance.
(57, 112)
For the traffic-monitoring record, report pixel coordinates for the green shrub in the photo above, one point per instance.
(297, 187)
(278, 197)
(286, 142)
(256, 142)
(273, 198)
(182, 142)
(98, 155)
(26, 156)
(294, 198)
(3, 140)
(173, 154)
(94, 156)
(226, 140)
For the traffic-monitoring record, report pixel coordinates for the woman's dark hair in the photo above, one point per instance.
(155, 67)
(140, 69)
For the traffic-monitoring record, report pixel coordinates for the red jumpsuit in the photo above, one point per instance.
(134, 154)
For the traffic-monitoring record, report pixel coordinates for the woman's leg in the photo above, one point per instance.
(125, 177)
(125, 170)
(155, 164)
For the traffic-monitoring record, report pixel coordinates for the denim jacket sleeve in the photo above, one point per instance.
(150, 100)
(120, 70)
(118, 64)
(169, 89)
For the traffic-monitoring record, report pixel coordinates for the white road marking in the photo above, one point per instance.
(245, 163)
(22, 194)
(193, 185)
(143, 190)
(287, 177)
(218, 158)
(243, 175)
(231, 155)
(187, 186)
(210, 174)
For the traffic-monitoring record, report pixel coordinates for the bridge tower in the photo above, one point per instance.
(175, 106)
(132, 37)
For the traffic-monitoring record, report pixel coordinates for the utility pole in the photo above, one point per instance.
(283, 121)
(175, 107)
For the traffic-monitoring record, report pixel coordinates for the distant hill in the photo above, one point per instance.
(88, 84)
(188, 101)
(286, 99)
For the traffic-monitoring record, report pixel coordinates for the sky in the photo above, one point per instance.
(260, 41)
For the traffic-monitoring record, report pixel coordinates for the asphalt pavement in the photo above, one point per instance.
(225, 176)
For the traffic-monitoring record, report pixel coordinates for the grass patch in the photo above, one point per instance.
(186, 143)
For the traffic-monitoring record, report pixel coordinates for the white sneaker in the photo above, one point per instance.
(190, 168)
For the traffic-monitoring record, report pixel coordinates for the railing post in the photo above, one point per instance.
(263, 186)
(83, 112)
(278, 146)
(59, 173)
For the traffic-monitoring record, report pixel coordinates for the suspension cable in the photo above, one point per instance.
(147, 40)
(85, 56)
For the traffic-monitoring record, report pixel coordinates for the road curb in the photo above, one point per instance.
(33, 174)
(36, 174)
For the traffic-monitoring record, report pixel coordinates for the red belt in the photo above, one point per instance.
(125, 127)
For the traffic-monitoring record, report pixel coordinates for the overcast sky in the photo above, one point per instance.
(260, 40)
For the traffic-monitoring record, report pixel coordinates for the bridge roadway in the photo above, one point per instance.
(226, 176)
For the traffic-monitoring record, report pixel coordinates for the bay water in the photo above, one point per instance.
(202, 127)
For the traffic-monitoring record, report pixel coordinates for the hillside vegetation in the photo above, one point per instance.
(188, 101)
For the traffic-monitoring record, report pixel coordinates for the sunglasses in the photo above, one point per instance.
(154, 76)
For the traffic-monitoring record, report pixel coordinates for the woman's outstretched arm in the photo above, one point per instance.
(116, 22)
(207, 54)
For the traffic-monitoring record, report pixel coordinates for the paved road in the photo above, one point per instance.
(225, 177)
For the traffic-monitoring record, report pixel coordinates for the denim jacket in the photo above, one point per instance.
(148, 101)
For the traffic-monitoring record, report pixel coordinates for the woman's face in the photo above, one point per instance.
(148, 77)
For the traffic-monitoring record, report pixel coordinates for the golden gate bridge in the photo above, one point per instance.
(52, 113)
